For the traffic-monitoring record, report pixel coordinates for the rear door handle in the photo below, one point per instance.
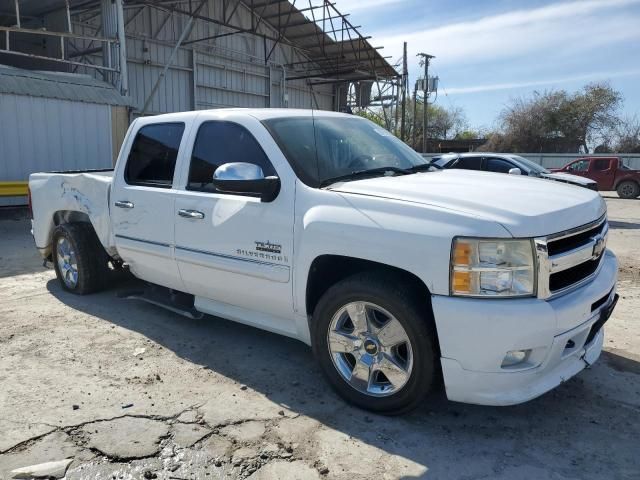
(123, 204)
(195, 214)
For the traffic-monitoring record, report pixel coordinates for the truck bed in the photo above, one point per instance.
(86, 193)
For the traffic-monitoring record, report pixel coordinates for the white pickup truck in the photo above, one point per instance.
(326, 228)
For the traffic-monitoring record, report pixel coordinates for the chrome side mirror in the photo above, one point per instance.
(515, 171)
(246, 179)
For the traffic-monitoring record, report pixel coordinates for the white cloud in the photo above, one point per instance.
(512, 85)
(544, 30)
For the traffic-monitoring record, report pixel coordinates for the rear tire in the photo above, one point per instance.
(80, 261)
(628, 189)
(391, 366)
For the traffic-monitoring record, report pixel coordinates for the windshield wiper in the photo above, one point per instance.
(424, 167)
(365, 173)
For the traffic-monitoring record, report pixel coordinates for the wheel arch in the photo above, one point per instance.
(626, 179)
(327, 270)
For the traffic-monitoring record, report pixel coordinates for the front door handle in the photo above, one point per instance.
(123, 204)
(191, 214)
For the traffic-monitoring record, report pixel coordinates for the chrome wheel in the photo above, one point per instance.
(370, 349)
(67, 263)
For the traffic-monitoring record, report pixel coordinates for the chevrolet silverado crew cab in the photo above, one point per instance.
(326, 228)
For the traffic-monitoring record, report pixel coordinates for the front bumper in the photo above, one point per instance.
(475, 335)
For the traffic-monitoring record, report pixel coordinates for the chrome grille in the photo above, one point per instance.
(569, 259)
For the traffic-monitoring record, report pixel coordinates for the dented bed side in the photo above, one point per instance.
(63, 197)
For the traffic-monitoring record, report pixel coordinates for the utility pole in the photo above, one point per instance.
(415, 106)
(426, 58)
(405, 84)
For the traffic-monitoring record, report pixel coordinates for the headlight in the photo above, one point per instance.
(492, 267)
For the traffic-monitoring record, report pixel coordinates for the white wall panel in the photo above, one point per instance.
(42, 134)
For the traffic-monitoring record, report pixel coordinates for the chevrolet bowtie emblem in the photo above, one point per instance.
(599, 245)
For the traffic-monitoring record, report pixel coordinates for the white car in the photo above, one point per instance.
(326, 228)
(508, 163)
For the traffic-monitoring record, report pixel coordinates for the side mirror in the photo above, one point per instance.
(246, 178)
(515, 171)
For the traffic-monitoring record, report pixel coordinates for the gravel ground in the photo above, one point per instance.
(129, 391)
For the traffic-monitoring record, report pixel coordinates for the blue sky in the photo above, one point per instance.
(491, 51)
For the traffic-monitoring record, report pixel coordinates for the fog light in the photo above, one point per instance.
(515, 357)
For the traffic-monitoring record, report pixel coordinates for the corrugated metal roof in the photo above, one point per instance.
(61, 85)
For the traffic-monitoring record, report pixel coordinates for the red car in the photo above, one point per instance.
(609, 172)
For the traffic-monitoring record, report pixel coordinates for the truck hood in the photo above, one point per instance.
(525, 206)
(568, 178)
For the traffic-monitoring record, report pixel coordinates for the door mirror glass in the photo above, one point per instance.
(515, 171)
(246, 178)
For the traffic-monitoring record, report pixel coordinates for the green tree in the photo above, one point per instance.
(628, 136)
(375, 117)
(557, 121)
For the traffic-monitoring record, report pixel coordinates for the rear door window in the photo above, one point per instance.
(152, 159)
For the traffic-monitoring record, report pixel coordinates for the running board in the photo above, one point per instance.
(172, 300)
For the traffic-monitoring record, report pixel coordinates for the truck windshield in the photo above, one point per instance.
(324, 148)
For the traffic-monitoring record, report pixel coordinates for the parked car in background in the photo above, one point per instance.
(507, 163)
(609, 172)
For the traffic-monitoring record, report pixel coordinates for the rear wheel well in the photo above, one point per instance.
(70, 216)
(327, 270)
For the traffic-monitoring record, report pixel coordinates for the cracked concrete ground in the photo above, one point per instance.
(130, 391)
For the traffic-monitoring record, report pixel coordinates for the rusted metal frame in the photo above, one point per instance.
(281, 32)
(185, 33)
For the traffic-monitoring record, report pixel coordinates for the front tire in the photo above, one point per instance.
(374, 338)
(80, 261)
(628, 189)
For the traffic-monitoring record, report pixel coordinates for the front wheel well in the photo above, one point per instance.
(327, 270)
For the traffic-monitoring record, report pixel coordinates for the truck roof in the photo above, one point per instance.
(259, 113)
